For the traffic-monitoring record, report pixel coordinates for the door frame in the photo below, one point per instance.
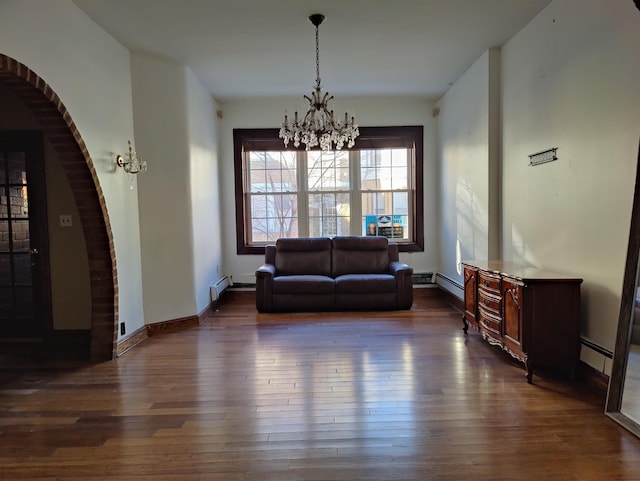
(61, 132)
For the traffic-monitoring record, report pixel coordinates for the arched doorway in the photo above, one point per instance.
(60, 130)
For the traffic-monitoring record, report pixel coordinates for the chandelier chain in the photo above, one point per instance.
(317, 57)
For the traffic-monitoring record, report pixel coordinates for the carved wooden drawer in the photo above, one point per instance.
(489, 282)
(490, 324)
(489, 303)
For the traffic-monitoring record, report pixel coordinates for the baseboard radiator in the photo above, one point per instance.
(220, 287)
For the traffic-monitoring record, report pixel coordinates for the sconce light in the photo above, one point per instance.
(132, 163)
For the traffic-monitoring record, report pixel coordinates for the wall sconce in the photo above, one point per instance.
(132, 163)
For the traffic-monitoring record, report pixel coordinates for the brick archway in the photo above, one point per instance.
(60, 130)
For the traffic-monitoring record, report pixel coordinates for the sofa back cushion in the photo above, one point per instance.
(303, 256)
(359, 255)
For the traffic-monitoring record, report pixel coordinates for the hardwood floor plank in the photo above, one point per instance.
(377, 396)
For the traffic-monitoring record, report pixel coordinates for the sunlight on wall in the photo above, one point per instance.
(472, 224)
(520, 251)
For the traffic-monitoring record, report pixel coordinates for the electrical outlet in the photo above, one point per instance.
(123, 329)
(66, 220)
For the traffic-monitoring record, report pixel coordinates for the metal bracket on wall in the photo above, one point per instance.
(543, 157)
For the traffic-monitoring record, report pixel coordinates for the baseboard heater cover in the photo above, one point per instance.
(422, 278)
(220, 287)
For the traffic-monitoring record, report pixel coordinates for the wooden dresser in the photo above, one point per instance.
(531, 313)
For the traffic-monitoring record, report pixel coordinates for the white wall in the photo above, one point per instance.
(166, 230)
(90, 72)
(569, 80)
(369, 112)
(176, 128)
(205, 190)
(467, 170)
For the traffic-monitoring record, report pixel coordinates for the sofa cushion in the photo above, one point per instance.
(359, 255)
(303, 284)
(365, 283)
(303, 256)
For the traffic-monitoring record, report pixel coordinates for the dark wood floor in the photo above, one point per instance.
(342, 396)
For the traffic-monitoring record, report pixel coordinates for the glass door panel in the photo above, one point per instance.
(21, 283)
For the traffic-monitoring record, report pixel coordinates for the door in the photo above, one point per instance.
(24, 264)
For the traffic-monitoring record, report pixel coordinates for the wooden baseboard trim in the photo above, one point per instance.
(208, 311)
(172, 325)
(133, 340)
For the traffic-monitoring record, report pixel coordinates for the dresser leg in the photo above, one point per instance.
(529, 368)
(465, 324)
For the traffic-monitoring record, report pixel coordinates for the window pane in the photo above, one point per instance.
(315, 205)
(257, 161)
(369, 179)
(18, 202)
(384, 157)
(329, 214)
(328, 205)
(399, 178)
(273, 216)
(384, 169)
(401, 203)
(343, 226)
(388, 212)
(4, 236)
(399, 157)
(4, 204)
(373, 203)
(343, 213)
(272, 172)
(327, 170)
(21, 241)
(17, 168)
(315, 227)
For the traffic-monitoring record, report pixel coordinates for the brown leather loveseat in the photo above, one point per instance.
(345, 273)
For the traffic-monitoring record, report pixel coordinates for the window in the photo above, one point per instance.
(374, 188)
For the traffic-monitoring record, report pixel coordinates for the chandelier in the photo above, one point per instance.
(319, 127)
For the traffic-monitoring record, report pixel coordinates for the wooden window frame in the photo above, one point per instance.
(370, 137)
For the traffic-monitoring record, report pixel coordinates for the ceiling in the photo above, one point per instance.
(266, 48)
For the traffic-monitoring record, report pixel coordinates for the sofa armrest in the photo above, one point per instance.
(264, 287)
(398, 268)
(266, 270)
(404, 283)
